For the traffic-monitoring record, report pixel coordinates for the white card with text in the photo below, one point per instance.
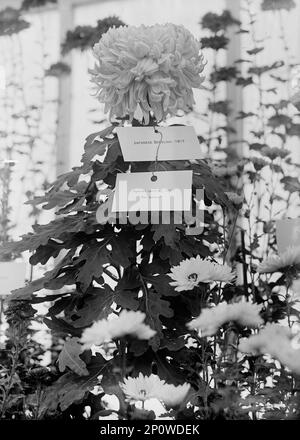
(12, 276)
(287, 233)
(159, 191)
(140, 144)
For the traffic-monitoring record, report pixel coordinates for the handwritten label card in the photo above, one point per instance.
(287, 233)
(139, 144)
(12, 276)
(171, 191)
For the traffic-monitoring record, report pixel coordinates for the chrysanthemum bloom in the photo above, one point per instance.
(127, 323)
(150, 67)
(130, 323)
(221, 273)
(290, 257)
(172, 396)
(192, 271)
(271, 339)
(142, 388)
(276, 341)
(97, 334)
(211, 319)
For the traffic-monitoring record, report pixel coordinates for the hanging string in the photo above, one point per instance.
(154, 177)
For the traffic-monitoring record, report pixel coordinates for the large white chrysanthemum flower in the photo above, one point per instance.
(142, 388)
(172, 396)
(211, 319)
(153, 67)
(127, 323)
(276, 341)
(290, 257)
(192, 271)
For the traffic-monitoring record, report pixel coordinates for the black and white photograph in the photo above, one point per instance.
(149, 216)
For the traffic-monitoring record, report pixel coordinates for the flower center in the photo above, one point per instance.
(193, 277)
(143, 393)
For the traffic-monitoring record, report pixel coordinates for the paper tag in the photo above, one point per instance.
(172, 191)
(287, 233)
(140, 144)
(12, 276)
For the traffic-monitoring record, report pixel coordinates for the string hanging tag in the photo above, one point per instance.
(154, 177)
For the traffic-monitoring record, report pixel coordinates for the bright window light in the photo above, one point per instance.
(2, 78)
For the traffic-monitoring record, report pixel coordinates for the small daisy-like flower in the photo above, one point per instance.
(172, 396)
(192, 271)
(189, 273)
(277, 263)
(127, 323)
(211, 319)
(142, 388)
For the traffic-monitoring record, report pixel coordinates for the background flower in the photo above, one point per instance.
(271, 338)
(211, 319)
(130, 323)
(97, 334)
(127, 323)
(173, 396)
(153, 67)
(290, 257)
(276, 341)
